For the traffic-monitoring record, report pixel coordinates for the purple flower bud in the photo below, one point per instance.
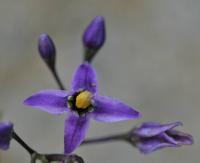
(47, 49)
(5, 135)
(151, 136)
(94, 35)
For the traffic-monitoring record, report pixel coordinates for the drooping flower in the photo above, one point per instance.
(47, 49)
(94, 37)
(6, 130)
(82, 103)
(152, 136)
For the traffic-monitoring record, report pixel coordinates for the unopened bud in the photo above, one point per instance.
(6, 130)
(47, 49)
(94, 37)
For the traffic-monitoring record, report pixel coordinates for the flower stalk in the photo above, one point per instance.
(57, 79)
(22, 143)
(110, 138)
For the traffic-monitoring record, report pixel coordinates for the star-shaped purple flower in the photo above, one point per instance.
(152, 136)
(82, 103)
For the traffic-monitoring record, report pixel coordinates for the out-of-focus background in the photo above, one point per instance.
(151, 60)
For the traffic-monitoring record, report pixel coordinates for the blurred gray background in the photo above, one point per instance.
(151, 60)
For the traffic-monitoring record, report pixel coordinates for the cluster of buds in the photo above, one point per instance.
(93, 39)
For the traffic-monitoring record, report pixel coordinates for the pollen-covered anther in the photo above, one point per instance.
(83, 100)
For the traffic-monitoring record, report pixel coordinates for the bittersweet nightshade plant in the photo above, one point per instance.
(94, 37)
(6, 129)
(81, 103)
(152, 136)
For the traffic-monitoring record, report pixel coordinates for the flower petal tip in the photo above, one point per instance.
(190, 140)
(27, 101)
(178, 123)
(137, 114)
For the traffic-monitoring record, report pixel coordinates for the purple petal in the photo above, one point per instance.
(5, 135)
(168, 139)
(181, 137)
(107, 109)
(75, 131)
(149, 145)
(84, 78)
(51, 101)
(150, 129)
(150, 124)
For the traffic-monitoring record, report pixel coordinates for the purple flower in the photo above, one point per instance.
(152, 136)
(82, 103)
(47, 49)
(5, 134)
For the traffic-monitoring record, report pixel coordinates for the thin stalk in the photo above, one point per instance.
(23, 144)
(89, 55)
(57, 78)
(111, 138)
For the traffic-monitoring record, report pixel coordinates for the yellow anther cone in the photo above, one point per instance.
(83, 100)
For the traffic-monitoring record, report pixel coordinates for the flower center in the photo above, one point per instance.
(83, 100)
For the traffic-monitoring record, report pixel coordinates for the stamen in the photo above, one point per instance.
(83, 100)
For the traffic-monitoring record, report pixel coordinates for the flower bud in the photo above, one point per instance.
(6, 130)
(47, 49)
(94, 37)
